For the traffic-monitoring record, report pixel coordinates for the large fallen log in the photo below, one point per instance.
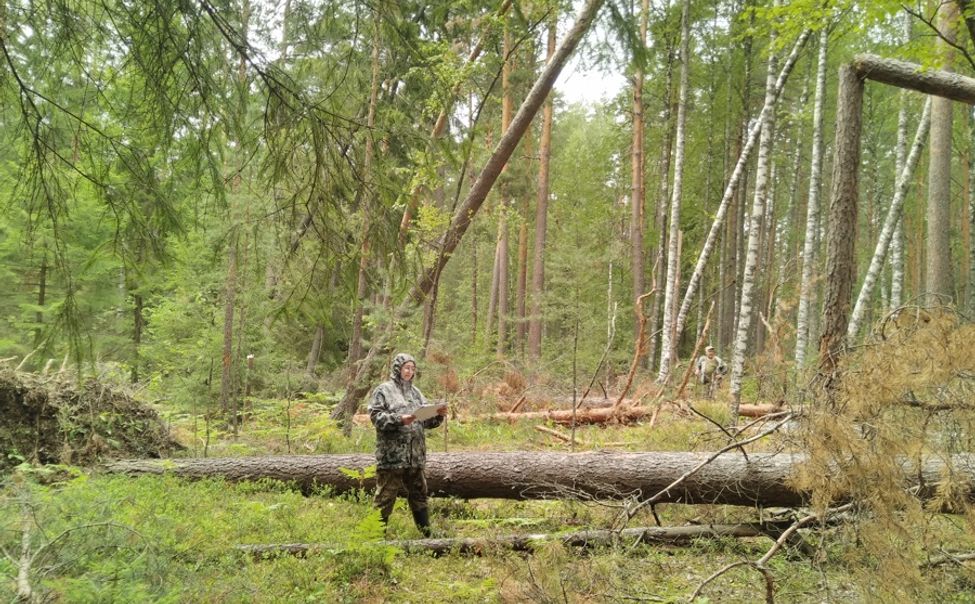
(672, 535)
(763, 479)
(590, 415)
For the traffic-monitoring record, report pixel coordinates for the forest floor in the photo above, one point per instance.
(76, 535)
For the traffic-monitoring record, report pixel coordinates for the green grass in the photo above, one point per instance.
(106, 538)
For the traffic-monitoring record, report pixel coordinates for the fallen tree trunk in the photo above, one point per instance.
(584, 416)
(763, 479)
(674, 535)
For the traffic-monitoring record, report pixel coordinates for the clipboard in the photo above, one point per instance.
(425, 412)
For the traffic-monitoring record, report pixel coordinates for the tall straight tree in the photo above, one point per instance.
(900, 156)
(938, 278)
(366, 196)
(228, 398)
(637, 181)
(748, 284)
(535, 321)
(668, 340)
(811, 238)
(663, 194)
(498, 303)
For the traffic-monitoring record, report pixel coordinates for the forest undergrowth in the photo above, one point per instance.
(74, 534)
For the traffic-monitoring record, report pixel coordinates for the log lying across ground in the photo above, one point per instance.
(762, 479)
(624, 414)
(676, 535)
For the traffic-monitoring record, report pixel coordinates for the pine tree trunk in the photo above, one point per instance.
(894, 213)
(749, 280)
(499, 280)
(356, 343)
(228, 384)
(637, 181)
(938, 277)
(668, 345)
(761, 479)
(541, 215)
(841, 226)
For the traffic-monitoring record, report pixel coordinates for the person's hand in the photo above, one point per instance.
(408, 419)
(442, 410)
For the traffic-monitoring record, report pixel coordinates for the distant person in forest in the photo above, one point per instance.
(401, 449)
(709, 367)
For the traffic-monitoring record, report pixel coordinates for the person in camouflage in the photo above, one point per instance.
(709, 366)
(400, 444)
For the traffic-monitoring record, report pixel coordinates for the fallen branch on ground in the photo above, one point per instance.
(677, 535)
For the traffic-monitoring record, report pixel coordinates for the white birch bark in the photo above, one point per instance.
(812, 208)
(759, 199)
(897, 243)
(893, 216)
(668, 344)
(732, 185)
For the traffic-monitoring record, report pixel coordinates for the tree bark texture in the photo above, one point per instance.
(811, 239)
(937, 276)
(900, 156)
(749, 278)
(637, 185)
(894, 213)
(535, 321)
(914, 77)
(732, 186)
(763, 479)
(668, 339)
(842, 219)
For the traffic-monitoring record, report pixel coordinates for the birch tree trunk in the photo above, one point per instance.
(668, 341)
(663, 199)
(767, 124)
(938, 281)
(894, 213)
(900, 156)
(732, 185)
(541, 214)
(811, 239)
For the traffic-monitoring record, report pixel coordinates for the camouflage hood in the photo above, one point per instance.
(398, 361)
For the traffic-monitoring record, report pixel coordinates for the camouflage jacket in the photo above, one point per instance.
(399, 446)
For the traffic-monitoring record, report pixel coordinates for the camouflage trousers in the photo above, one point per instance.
(392, 482)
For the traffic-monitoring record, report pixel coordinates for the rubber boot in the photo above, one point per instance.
(422, 520)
